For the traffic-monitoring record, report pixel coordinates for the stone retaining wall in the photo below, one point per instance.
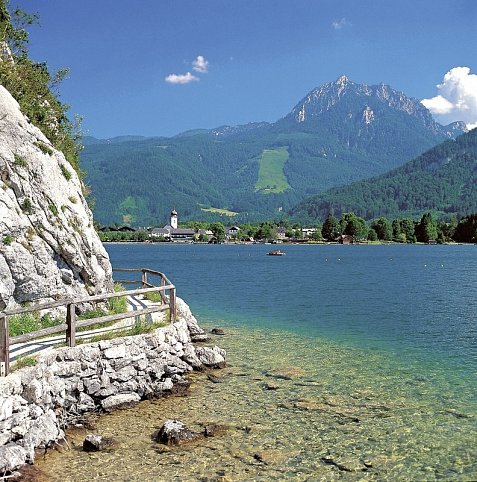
(37, 403)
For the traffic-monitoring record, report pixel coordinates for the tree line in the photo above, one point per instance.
(404, 230)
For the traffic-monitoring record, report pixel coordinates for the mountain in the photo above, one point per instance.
(442, 180)
(338, 133)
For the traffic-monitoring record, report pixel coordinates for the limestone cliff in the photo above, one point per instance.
(48, 246)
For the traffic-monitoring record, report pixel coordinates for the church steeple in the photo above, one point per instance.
(174, 219)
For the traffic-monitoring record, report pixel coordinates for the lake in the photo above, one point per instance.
(345, 362)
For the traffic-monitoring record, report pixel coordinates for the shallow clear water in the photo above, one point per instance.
(345, 363)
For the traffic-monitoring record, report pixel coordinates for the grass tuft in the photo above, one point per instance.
(23, 362)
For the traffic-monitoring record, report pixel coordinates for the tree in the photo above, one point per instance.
(383, 229)
(266, 231)
(426, 229)
(317, 236)
(466, 230)
(354, 226)
(218, 231)
(397, 231)
(372, 236)
(408, 229)
(331, 228)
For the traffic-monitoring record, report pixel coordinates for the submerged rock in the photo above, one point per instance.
(286, 373)
(174, 432)
(95, 443)
(214, 379)
(214, 429)
(217, 331)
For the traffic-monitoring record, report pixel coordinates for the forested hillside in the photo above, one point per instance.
(443, 180)
(339, 133)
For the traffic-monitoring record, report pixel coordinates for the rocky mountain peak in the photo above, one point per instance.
(349, 100)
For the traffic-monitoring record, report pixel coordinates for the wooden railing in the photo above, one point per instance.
(71, 323)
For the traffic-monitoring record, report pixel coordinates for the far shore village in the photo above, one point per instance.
(172, 233)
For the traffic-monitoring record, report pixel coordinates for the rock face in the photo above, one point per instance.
(48, 246)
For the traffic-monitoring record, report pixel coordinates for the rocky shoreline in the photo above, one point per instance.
(38, 403)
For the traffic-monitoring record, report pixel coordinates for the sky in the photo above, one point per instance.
(161, 67)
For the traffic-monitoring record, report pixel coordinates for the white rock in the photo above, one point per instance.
(6, 408)
(122, 399)
(115, 352)
(54, 250)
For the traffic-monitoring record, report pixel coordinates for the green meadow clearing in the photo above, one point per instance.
(271, 178)
(223, 212)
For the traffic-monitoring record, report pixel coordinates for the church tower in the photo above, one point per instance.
(174, 219)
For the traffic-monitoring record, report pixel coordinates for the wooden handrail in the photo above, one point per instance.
(71, 325)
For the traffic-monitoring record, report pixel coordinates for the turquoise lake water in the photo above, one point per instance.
(416, 302)
(344, 363)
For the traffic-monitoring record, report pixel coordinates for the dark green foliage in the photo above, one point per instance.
(372, 236)
(53, 209)
(408, 229)
(383, 229)
(118, 236)
(466, 230)
(442, 180)
(32, 85)
(66, 173)
(426, 230)
(44, 148)
(8, 240)
(20, 161)
(218, 230)
(27, 205)
(354, 226)
(331, 228)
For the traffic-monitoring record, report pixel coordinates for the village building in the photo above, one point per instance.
(281, 233)
(172, 232)
(232, 232)
(308, 232)
(346, 239)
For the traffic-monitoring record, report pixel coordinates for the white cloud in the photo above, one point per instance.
(339, 24)
(181, 78)
(456, 99)
(200, 64)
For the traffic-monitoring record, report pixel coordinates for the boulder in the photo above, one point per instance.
(12, 456)
(211, 357)
(123, 400)
(96, 443)
(174, 432)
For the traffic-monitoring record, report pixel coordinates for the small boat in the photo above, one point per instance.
(276, 253)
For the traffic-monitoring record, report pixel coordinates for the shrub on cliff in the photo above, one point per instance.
(33, 86)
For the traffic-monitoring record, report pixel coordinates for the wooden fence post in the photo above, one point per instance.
(71, 322)
(162, 293)
(144, 279)
(4, 346)
(172, 305)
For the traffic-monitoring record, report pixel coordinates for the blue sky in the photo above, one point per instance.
(254, 59)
